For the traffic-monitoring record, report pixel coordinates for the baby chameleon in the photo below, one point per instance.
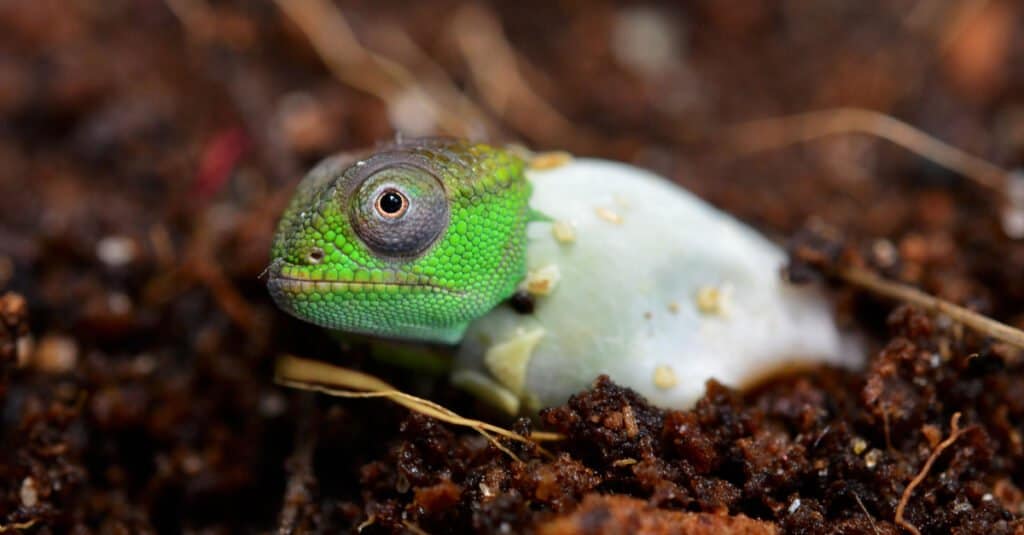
(411, 242)
(640, 279)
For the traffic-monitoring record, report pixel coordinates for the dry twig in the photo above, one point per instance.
(954, 433)
(321, 377)
(871, 519)
(778, 132)
(980, 323)
(20, 526)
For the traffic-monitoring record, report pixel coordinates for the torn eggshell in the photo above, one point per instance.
(638, 279)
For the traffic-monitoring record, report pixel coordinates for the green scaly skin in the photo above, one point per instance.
(457, 252)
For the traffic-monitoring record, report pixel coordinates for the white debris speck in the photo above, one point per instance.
(608, 215)
(794, 506)
(116, 251)
(29, 495)
(885, 252)
(542, 281)
(987, 497)
(646, 40)
(412, 113)
(872, 457)
(1013, 222)
(563, 231)
(665, 377)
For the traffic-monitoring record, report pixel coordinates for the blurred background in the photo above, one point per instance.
(147, 148)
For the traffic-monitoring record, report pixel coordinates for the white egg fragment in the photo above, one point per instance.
(655, 288)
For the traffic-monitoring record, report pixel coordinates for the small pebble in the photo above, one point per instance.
(872, 457)
(116, 251)
(56, 354)
(29, 495)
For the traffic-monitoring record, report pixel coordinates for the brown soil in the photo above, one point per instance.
(147, 152)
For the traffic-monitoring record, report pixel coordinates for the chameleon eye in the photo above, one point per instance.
(392, 203)
(399, 210)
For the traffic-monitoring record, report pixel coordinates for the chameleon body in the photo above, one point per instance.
(631, 275)
(413, 241)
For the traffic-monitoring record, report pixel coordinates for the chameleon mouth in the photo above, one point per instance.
(280, 284)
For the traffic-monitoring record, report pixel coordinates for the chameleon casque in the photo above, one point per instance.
(423, 240)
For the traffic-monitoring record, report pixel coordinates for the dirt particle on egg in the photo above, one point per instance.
(665, 377)
(543, 280)
(711, 300)
(608, 215)
(563, 231)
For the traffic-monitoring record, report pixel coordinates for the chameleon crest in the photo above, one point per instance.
(413, 241)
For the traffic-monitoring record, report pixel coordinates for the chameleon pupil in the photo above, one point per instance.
(391, 204)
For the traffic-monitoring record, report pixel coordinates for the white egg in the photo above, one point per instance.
(638, 279)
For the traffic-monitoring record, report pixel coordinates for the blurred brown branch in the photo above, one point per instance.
(353, 65)
(497, 70)
(778, 132)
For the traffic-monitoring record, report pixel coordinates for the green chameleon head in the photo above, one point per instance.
(413, 241)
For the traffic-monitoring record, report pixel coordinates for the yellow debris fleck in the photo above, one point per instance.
(487, 389)
(665, 377)
(550, 160)
(711, 300)
(608, 215)
(563, 231)
(542, 281)
(859, 445)
(508, 360)
(673, 307)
